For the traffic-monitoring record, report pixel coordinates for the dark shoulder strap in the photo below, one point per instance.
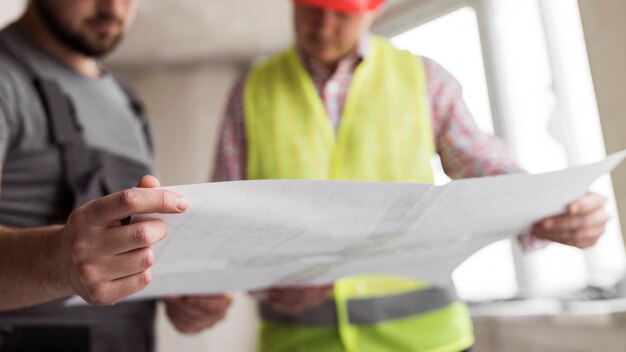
(88, 173)
(79, 164)
(64, 128)
(22, 64)
(139, 108)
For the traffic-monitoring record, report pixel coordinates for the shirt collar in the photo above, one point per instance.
(352, 60)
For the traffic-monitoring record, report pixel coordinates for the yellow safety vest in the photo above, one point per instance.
(385, 135)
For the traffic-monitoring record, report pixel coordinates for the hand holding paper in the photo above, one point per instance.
(256, 234)
(580, 226)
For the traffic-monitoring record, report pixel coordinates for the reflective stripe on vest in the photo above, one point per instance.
(369, 310)
(385, 134)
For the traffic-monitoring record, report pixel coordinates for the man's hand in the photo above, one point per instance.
(193, 314)
(107, 261)
(295, 300)
(580, 226)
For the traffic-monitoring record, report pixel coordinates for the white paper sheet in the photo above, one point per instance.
(255, 234)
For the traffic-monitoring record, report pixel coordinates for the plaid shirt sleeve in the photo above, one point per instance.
(465, 151)
(231, 158)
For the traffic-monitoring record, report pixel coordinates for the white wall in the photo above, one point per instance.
(186, 106)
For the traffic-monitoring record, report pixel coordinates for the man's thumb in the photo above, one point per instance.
(149, 182)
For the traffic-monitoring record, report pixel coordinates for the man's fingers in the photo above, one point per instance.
(182, 322)
(117, 206)
(130, 263)
(569, 222)
(149, 181)
(192, 314)
(185, 310)
(132, 284)
(587, 203)
(201, 307)
(117, 267)
(581, 238)
(293, 300)
(134, 236)
(209, 305)
(576, 214)
(111, 292)
(207, 311)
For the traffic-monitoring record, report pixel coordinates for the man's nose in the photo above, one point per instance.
(326, 23)
(117, 8)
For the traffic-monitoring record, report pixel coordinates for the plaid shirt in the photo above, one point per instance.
(465, 151)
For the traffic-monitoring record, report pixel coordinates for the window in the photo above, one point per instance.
(524, 70)
(447, 38)
(444, 40)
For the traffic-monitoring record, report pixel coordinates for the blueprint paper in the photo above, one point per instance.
(255, 234)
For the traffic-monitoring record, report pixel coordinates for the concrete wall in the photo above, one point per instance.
(605, 29)
(186, 105)
(551, 333)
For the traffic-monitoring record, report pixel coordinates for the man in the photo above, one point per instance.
(344, 104)
(69, 135)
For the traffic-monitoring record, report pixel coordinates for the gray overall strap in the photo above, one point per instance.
(84, 169)
(139, 108)
(65, 132)
(66, 129)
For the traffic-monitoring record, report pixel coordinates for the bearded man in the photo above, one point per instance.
(73, 142)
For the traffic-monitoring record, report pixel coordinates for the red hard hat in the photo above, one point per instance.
(346, 6)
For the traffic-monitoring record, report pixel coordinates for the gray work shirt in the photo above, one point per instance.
(102, 109)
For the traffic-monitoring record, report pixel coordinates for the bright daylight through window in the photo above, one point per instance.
(548, 117)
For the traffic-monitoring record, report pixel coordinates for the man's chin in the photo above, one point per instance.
(325, 57)
(99, 47)
(329, 60)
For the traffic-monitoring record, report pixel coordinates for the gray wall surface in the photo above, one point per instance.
(605, 28)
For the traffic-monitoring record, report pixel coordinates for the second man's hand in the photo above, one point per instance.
(296, 300)
(581, 225)
(192, 314)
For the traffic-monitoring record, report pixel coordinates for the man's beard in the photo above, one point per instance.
(74, 40)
